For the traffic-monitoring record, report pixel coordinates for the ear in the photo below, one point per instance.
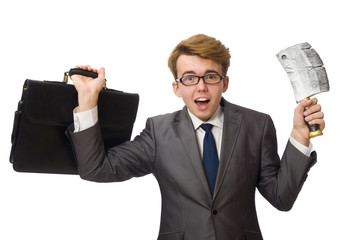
(225, 84)
(176, 89)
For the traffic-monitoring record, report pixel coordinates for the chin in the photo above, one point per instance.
(203, 115)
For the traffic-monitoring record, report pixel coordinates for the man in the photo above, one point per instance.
(207, 181)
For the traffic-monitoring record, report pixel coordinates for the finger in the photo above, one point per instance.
(313, 109)
(87, 67)
(314, 116)
(84, 67)
(320, 122)
(308, 103)
(305, 103)
(302, 106)
(314, 101)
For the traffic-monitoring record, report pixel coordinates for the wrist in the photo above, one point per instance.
(87, 102)
(299, 137)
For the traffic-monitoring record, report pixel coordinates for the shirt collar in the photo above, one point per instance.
(217, 119)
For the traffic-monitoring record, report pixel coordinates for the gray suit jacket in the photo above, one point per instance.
(167, 148)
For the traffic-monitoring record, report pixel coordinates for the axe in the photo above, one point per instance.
(306, 74)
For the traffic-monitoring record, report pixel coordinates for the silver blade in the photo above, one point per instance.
(305, 70)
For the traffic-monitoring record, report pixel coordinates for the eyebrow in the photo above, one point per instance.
(207, 72)
(188, 72)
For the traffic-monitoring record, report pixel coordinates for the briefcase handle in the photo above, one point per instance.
(80, 71)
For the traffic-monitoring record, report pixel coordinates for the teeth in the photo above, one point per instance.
(202, 99)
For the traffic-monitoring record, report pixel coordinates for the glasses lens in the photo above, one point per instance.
(212, 78)
(189, 80)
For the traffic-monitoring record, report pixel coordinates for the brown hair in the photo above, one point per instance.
(203, 46)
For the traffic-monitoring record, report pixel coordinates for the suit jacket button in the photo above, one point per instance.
(214, 211)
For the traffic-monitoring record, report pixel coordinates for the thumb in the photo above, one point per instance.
(301, 107)
(102, 75)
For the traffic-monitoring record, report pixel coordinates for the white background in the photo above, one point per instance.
(133, 39)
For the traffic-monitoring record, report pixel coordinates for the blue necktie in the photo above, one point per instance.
(210, 158)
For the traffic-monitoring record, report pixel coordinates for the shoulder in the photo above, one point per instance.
(254, 122)
(168, 118)
(246, 113)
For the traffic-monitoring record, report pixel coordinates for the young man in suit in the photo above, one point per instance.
(207, 177)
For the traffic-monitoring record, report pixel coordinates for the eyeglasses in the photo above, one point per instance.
(190, 80)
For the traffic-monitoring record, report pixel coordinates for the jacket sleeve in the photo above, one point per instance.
(280, 181)
(129, 159)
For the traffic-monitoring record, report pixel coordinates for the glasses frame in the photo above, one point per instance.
(198, 80)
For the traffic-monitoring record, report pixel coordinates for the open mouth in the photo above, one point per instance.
(202, 102)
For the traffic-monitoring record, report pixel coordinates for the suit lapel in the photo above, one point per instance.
(232, 124)
(186, 132)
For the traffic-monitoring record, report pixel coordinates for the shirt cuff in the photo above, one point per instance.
(85, 120)
(303, 149)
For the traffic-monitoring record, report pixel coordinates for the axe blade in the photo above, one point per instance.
(305, 70)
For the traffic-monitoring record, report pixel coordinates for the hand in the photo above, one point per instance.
(88, 88)
(306, 111)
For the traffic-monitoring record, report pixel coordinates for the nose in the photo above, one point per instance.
(202, 86)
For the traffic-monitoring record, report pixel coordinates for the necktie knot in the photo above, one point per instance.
(207, 127)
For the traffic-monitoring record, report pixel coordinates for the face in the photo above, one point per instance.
(202, 99)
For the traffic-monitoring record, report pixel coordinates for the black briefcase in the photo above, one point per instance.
(45, 111)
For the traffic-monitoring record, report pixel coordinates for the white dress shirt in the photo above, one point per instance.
(217, 120)
(87, 119)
